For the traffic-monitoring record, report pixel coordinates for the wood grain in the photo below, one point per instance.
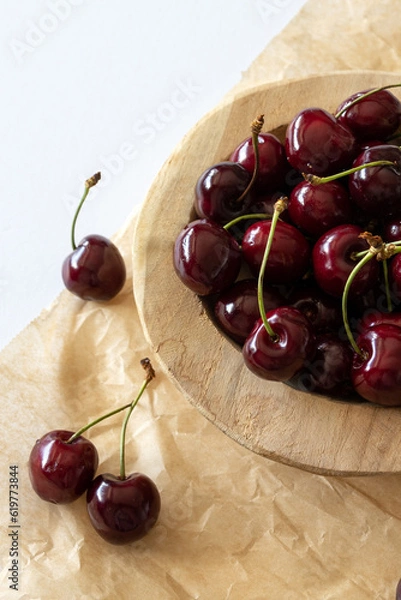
(304, 430)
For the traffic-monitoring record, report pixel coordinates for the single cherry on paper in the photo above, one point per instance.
(123, 508)
(60, 470)
(95, 269)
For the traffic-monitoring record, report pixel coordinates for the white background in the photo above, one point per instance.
(89, 85)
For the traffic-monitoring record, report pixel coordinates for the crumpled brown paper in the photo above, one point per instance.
(233, 525)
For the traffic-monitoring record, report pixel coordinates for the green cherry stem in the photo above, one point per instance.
(344, 300)
(246, 218)
(390, 249)
(96, 421)
(150, 374)
(256, 128)
(366, 95)
(387, 287)
(316, 180)
(89, 183)
(279, 207)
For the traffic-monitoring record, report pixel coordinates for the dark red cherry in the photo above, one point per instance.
(95, 270)
(376, 373)
(236, 310)
(377, 190)
(273, 165)
(61, 472)
(392, 230)
(289, 256)
(375, 317)
(321, 310)
(279, 358)
(206, 257)
(376, 116)
(218, 190)
(329, 372)
(318, 208)
(123, 510)
(317, 143)
(332, 259)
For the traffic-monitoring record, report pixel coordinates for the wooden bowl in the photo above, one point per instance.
(272, 419)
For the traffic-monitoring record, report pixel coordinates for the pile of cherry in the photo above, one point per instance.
(295, 249)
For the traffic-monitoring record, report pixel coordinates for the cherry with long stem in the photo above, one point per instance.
(123, 508)
(379, 250)
(256, 128)
(95, 269)
(89, 183)
(279, 207)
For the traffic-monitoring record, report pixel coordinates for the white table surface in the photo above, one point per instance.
(96, 85)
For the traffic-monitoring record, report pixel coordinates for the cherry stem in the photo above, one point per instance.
(366, 95)
(387, 286)
(96, 421)
(256, 128)
(388, 250)
(279, 207)
(92, 181)
(150, 374)
(246, 218)
(344, 301)
(316, 180)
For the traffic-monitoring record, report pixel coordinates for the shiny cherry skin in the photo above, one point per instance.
(60, 472)
(376, 374)
(289, 257)
(329, 372)
(236, 310)
(318, 208)
(123, 510)
(218, 190)
(321, 310)
(392, 230)
(377, 190)
(377, 116)
(206, 257)
(317, 143)
(332, 261)
(273, 165)
(280, 358)
(95, 270)
(375, 317)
